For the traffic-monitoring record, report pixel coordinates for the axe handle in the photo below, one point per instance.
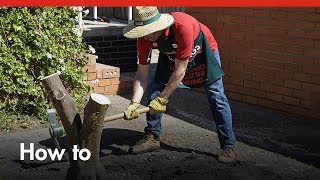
(119, 116)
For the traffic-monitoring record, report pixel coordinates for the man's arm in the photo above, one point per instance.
(175, 78)
(140, 82)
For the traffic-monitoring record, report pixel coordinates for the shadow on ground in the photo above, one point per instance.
(114, 142)
(271, 130)
(169, 163)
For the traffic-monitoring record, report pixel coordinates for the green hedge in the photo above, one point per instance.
(36, 42)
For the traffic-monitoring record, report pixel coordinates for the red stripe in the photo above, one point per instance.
(204, 3)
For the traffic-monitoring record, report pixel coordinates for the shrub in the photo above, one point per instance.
(36, 42)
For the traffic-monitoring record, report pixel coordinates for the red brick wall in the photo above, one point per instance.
(105, 79)
(271, 56)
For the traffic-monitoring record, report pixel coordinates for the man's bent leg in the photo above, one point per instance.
(153, 120)
(221, 113)
(151, 140)
(222, 116)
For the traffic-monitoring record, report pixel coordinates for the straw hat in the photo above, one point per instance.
(147, 20)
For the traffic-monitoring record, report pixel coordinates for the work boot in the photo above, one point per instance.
(148, 144)
(227, 156)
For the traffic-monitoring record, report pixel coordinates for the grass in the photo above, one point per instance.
(10, 122)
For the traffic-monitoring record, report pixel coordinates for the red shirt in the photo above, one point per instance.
(186, 29)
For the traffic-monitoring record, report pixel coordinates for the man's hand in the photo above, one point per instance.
(131, 112)
(158, 105)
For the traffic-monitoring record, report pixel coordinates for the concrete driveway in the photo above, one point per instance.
(271, 145)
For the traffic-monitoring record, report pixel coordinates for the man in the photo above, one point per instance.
(189, 55)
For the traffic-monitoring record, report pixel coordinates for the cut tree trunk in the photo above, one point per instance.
(67, 111)
(87, 135)
(91, 131)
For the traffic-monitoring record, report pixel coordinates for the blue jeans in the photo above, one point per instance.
(218, 103)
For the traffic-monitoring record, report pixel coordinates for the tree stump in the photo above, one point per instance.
(87, 135)
(67, 111)
(91, 131)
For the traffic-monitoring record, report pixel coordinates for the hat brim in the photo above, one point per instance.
(133, 32)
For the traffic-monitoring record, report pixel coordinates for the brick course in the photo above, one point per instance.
(271, 56)
(105, 79)
(114, 50)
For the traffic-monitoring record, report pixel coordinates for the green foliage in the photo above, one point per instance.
(36, 42)
(11, 122)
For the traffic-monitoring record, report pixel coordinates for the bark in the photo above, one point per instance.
(91, 131)
(67, 111)
(87, 135)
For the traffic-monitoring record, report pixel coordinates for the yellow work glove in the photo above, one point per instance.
(131, 112)
(158, 105)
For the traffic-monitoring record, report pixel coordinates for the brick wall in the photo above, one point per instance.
(106, 79)
(113, 49)
(271, 56)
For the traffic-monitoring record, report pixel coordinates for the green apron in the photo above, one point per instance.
(203, 69)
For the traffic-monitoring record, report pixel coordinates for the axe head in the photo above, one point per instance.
(55, 129)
